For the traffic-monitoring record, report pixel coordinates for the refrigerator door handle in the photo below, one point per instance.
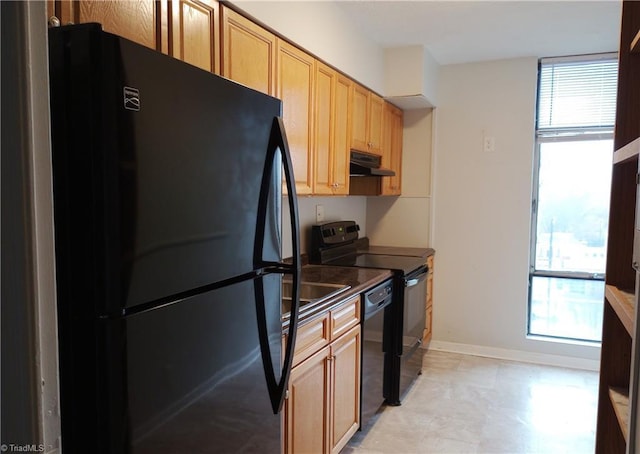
(278, 141)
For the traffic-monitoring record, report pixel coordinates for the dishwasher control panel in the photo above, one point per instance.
(378, 297)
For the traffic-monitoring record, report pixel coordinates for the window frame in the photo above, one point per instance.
(551, 135)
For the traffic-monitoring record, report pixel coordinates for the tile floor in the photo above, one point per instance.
(470, 404)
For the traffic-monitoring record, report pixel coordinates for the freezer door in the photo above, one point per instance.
(194, 379)
(191, 179)
(158, 167)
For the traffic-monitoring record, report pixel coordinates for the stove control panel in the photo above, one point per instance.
(333, 233)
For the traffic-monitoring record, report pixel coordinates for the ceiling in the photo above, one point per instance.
(469, 31)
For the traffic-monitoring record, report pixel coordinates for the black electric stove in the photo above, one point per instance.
(338, 244)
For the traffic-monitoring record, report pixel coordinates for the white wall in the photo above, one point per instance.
(335, 209)
(482, 206)
(411, 71)
(405, 220)
(324, 30)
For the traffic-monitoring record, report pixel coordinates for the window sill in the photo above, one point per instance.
(559, 340)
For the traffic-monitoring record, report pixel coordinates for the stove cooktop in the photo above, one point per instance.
(405, 264)
(337, 243)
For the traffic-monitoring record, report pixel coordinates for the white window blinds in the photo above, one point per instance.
(577, 93)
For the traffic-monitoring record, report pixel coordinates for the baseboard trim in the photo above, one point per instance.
(516, 355)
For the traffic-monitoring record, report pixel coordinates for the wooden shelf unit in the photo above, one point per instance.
(635, 44)
(623, 304)
(629, 151)
(617, 399)
(620, 401)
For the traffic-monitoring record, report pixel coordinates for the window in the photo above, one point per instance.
(574, 146)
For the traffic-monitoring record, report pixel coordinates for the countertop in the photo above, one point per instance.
(358, 278)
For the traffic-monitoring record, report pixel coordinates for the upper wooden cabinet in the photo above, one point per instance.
(248, 52)
(295, 87)
(326, 114)
(360, 117)
(367, 118)
(342, 134)
(392, 149)
(185, 29)
(331, 133)
(194, 33)
(376, 113)
(137, 20)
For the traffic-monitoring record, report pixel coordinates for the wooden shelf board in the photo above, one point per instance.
(635, 43)
(623, 303)
(629, 151)
(620, 401)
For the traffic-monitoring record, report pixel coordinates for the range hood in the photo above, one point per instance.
(363, 164)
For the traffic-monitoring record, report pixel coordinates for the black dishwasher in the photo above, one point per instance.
(376, 307)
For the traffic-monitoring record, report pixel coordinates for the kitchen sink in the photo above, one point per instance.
(311, 293)
(314, 291)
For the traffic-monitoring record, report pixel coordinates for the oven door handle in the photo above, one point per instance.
(416, 277)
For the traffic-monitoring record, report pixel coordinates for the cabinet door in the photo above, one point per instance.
(248, 52)
(137, 20)
(396, 151)
(51, 9)
(331, 133)
(359, 117)
(307, 407)
(341, 136)
(296, 71)
(374, 130)
(323, 133)
(194, 33)
(345, 380)
(387, 139)
(392, 149)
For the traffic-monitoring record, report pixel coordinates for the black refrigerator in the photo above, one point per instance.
(167, 208)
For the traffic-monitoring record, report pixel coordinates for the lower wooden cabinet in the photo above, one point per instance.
(323, 407)
(344, 418)
(428, 329)
(307, 412)
(322, 410)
